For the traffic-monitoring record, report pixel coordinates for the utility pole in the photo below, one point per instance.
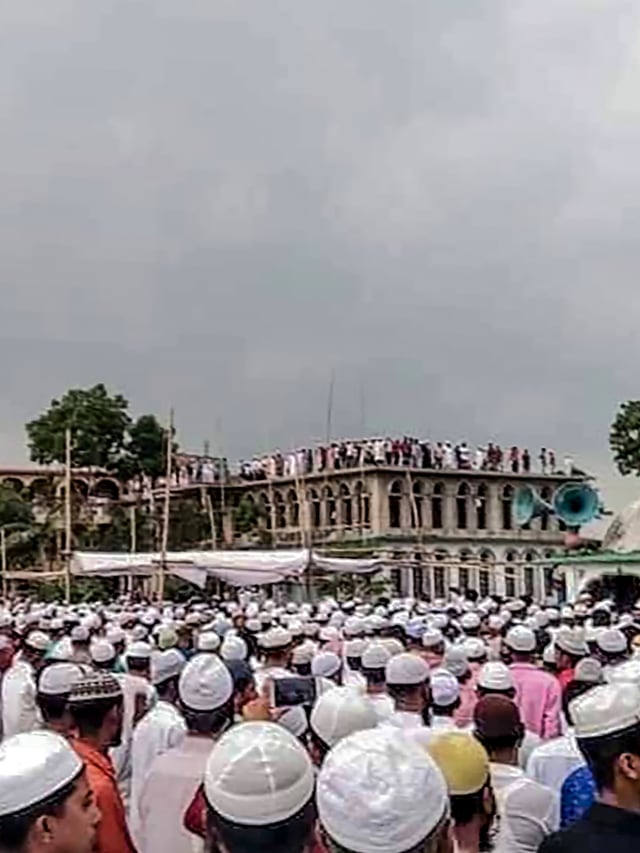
(167, 507)
(67, 518)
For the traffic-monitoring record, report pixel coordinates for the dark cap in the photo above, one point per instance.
(497, 717)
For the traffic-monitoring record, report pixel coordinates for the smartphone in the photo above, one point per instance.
(297, 690)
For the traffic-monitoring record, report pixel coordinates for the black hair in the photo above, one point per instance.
(138, 664)
(52, 708)
(90, 716)
(208, 722)
(487, 691)
(571, 692)
(319, 744)
(287, 836)
(303, 669)
(355, 664)
(15, 828)
(374, 676)
(163, 687)
(601, 753)
(465, 807)
(504, 741)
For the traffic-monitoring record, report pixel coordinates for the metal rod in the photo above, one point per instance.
(67, 518)
(167, 507)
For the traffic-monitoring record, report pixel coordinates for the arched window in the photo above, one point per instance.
(281, 510)
(481, 507)
(363, 506)
(510, 575)
(529, 586)
(484, 575)
(346, 506)
(314, 505)
(462, 506)
(395, 504)
(436, 506)
(507, 508)
(440, 575)
(13, 483)
(416, 506)
(463, 571)
(293, 507)
(330, 507)
(545, 494)
(108, 489)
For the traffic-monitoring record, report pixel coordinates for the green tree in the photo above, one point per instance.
(98, 420)
(15, 511)
(624, 438)
(146, 450)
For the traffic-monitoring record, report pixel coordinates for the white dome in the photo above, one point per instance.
(623, 534)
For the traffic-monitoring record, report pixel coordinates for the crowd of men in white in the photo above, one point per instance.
(395, 727)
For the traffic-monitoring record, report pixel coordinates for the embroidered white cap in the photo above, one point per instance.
(606, 709)
(205, 683)
(57, 679)
(495, 675)
(325, 665)
(341, 712)
(406, 669)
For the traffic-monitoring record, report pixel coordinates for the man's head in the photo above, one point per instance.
(407, 679)
(34, 649)
(571, 646)
(367, 795)
(244, 684)
(165, 671)
(495, 679)
(611, 646)
(374, 662)
(206, 695)
(276, 645)
(96, 705)
(54, 687)
(520, 644)
(336, 714)
(46, 804)
(498, 727)
(138, 659)
(607, 725)
(445, 693)
(259, 791)
(327, 665)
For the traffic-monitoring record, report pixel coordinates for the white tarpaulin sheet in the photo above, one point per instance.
(346, 566)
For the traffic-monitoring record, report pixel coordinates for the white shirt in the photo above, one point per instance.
(412, 724)
(163, 728)
(553, 761)
(132, 687)
(167, 792)
(19, 710)
(526, 811)
(443, 724)
(382, 705)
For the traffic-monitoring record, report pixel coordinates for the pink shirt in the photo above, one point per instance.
(539, 699)
(463, 715)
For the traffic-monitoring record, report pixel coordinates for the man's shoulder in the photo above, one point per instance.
(578, 836)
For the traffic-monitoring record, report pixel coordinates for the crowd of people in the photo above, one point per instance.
(387, 726)
(405, 452)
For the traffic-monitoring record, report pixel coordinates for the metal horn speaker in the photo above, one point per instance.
(576, 504)
(528, 505)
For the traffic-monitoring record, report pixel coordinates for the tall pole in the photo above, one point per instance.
(134, 542)
(167, 506)
(3, 546)
(67, 517)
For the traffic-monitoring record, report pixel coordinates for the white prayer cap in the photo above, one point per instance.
(341, 712)
(276, 638)
(80, 634)
(567, 612)
(354, 625)
(606, 709)
(368, 788)
(115, 634)
(101, 650)
(521, 639)
(205, 683)
(445, 688)
(303, 654)
(234, 648)
(94, 686)
(208, 641)
(329, 634)
(456, 661)
(589, 670)
(165, 665)
(470, 621)
(572, 641)
(541, 619)
(139, 633)
(549, 654)
(393, 645)
(38, 641)
(139, 649)
(376, 656)
(33, 768)
(432, 637)
(440, 621)
(612, 641)
(406, 669)
(325, 664)
(495, 676)
(474, 648)
(296, 628)
(62, 650)
(57, 679)
(167, 637)
(354, 648)
(253, 625)
(258, 774)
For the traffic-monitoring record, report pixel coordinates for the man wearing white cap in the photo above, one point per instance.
(46, 804)
(258, 791)
(445, 699)
(6, 658)
(54, 687)
(368, 791)
(19, 709)
(538, 694)
(374, 662)
(607, 727)
(335, 715)
(206, 701)
(408, 685)
(159, 730)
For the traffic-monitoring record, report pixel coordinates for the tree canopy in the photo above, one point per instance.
(624, 438)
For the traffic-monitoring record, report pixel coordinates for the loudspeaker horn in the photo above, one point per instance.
(576, 504)
(528, 505)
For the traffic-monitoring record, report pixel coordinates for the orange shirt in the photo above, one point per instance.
(113, 835)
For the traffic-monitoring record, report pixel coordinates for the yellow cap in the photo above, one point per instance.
(462, 760)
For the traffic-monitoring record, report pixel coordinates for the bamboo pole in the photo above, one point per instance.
(134, 542)
(166, 512)
(212, 521)
(3, 546)
(67, 518)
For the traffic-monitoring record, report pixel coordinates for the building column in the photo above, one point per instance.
(494, 510)
(499, 581)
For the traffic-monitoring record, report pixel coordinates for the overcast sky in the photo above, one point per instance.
(215, 204)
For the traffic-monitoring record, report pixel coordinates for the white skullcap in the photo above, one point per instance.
(470, 621)
(354, 648)
(234, 648)
(606, 709)
(62, 650)
(101, 651)
(208, 641)
(495, 622)
(376, 656)
(33, 768)
(38, 641)
(445, 688)
(341, 712)
(432, 637)
(567, 612)
(456, 661)
(329, 634)
(253, 625)
(258, 774)
(541, 619)
(521, 639)
(572, 641)
(612, 641)
(57, 679)
(139, 634)
(276, 638)
(165, 665)
(325, 664)
(392, 645)
(549, 654)
(303, 654)
(495, 676)
(589, 670)
(368, 788)
(115, 634)
(205, 683)
(80, 634)
(406, 669)
(474, 648)
(139, 649)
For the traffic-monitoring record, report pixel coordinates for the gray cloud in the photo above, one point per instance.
(216, 204)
